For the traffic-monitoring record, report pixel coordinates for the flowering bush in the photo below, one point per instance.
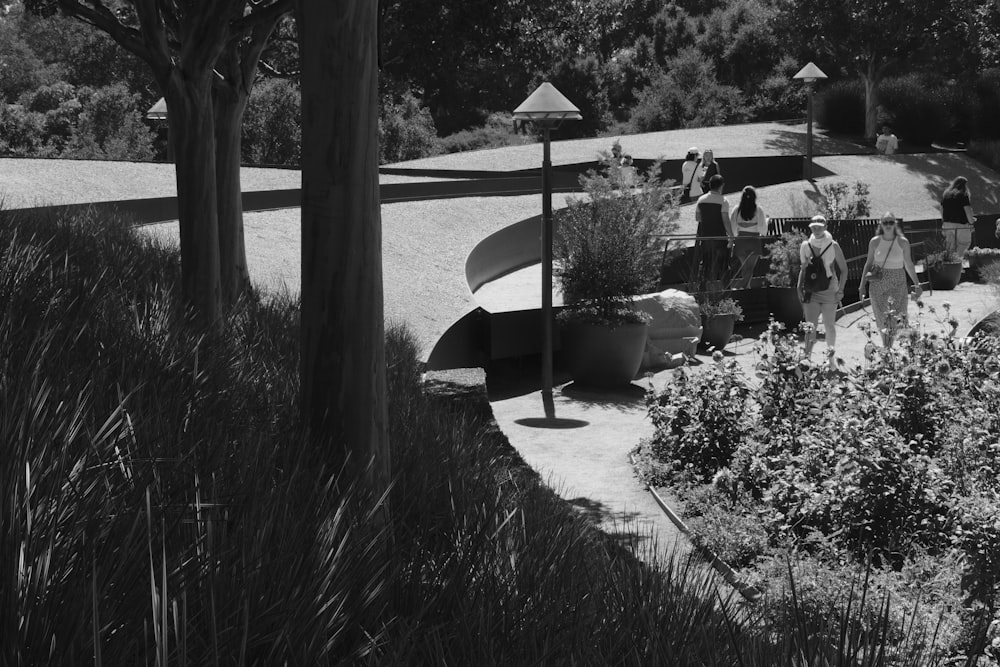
(892, 462)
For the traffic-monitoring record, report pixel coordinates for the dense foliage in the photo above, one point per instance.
(895, 463)
(636, 64)
(162, 505)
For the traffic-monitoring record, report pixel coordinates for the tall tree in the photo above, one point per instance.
(343, 363)
(199, 53)
(865, 36)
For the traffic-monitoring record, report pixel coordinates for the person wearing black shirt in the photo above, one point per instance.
(957, 219)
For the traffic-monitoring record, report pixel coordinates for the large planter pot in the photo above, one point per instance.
(601, 356)
(785, 307)
(945, 276)
(717, 331)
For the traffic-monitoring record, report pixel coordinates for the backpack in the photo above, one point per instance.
(816, 279)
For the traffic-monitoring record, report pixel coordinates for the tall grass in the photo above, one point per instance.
(161, 506)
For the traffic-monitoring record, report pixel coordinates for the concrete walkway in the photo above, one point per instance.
(589, 465)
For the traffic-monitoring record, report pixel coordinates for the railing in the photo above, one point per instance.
(852, 235)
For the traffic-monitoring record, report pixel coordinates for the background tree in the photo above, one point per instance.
(199, 54)
(866, 37)
(343, 362)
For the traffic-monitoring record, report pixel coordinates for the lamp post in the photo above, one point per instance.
(809, 75)
(546, 108)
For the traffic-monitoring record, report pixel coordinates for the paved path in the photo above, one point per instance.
(589, 465)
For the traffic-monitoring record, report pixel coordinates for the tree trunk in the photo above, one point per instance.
(192, 135)
(229, 104)
(343, 363)
(871, 80)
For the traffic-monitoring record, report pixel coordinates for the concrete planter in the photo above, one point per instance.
(601, 356)
(945, 276)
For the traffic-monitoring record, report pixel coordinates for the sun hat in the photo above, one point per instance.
(693, 149)
(817, 221)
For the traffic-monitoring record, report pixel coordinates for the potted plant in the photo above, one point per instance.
(719, 317)
(782, 279)
(609, 248)
(980, 261)
(944, 268)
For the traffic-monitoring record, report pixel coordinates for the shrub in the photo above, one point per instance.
(785, 261)
(609, 248)
(405, 129)
(840, 202)
(916, 108)
(986, 109)
(840, 107)
(109, 127)
(496, 133)
(272, 126)
(698, 422)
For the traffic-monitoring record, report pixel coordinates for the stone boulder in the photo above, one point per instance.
(674, 330)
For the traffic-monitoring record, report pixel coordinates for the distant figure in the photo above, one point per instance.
(821, 300)
(889, 261)
(709, 168)
(616, 151)
(887, 143)
(748, 223)
(691, 176)
(711, 256)
(957, 219)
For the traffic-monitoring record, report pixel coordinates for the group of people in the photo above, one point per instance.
(888, 264)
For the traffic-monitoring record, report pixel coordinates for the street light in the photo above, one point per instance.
(809, 75)
(546, 108)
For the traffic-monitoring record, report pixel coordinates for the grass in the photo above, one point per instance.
(161, 505)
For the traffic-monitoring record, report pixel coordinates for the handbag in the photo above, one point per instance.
(686, 193)
(876, 271)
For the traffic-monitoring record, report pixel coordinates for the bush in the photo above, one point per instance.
(986, 110)
(986, 151)
(581, 80)
(496, 133)
(109, 127)
(841, 202)
(405, 129)
(916, 107)
(698, 423)
(840, 107)
(609, 248)
(689, 95)
(272, 124)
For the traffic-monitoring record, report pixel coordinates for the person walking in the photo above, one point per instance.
(709, 168)
(711, 255)
(957, 219)
(749, 224)
(889, 262)
(821, 295)
(691, 176)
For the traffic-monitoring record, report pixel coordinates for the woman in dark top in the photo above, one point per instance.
(956, 216)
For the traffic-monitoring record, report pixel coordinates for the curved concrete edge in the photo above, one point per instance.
(731, 576)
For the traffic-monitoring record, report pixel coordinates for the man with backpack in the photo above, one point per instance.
(821, 283)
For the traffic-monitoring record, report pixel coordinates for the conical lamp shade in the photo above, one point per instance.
(158, 111)
(810, 73)
(546, 103)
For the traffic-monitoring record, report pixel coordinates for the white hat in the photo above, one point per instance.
(693, 149)
(817, 221)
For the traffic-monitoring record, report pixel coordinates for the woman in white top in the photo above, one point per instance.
(890, 258)
(748, 224)
(691, 173)
(821, 244)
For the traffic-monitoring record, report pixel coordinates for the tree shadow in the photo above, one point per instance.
(624, 528)
(621, 398)
(939, 169)
(794, 143)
